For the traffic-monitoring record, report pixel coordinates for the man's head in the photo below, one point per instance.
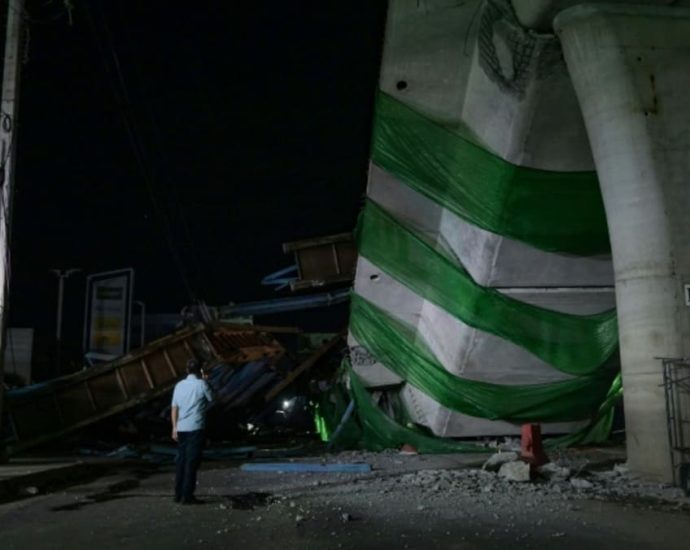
(194, 367)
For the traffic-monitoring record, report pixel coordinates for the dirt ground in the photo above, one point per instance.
(405, 502)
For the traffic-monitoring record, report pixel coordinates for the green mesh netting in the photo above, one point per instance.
(329, 411)
(555, 211)
(379, 431)
(372, 429)
(599, 428)
(575, 344)
(395, 346)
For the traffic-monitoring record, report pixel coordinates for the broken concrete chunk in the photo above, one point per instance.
(515, 471)
(621, 469)
(495, 461)
(580, 483)
(554, 472)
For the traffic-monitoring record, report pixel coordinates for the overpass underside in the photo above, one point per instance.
(526, 219)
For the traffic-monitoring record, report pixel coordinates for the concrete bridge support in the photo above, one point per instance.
(630, 66)
(435, 62)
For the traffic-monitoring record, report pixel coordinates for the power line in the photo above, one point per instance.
(122, 96)
(158, 144)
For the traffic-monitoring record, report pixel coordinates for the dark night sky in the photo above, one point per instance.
(253, 120)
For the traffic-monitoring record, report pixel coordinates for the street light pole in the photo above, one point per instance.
(61, 274)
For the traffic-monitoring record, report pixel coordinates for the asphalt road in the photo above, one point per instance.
(132, 508)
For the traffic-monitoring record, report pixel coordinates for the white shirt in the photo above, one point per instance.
(191, 396)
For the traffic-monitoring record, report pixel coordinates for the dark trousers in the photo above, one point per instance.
(189, 446)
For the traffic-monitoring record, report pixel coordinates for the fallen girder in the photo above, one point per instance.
(45, 412)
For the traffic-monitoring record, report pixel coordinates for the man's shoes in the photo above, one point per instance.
(192, 500)
(177, 499)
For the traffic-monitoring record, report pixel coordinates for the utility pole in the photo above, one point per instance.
(61, 274)
(142, 322)
(8, 142)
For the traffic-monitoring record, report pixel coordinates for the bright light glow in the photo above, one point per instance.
(286, 404)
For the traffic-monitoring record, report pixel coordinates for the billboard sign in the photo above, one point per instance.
(108, 314)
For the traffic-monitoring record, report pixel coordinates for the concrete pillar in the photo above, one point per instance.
(631, 69)
(455, 63)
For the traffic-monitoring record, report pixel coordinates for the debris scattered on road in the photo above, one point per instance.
(580, 483)
(554, 472)
(249, 501)
(515, 471)
(495, 461)
(301, 467)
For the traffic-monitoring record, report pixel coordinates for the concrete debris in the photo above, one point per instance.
(553, 472)
(505, 445)
(299, 519)
(345, 517)
(621, 469)
(495, 461)
(580, 483)
(558, 484)
(515, 471)
(29, 491)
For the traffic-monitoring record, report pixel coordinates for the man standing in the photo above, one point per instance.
(189, 402)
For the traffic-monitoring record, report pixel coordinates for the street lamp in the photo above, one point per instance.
(61, 274)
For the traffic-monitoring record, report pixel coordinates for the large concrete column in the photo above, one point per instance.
(471, 67)
(631, 69)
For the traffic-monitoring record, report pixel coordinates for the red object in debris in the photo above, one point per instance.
(531, 445)
(408, 449)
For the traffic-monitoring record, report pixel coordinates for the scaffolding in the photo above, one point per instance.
(677, 389)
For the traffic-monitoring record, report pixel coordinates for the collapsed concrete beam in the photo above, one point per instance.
(539, 14)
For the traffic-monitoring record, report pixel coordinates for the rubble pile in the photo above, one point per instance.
(505, 479)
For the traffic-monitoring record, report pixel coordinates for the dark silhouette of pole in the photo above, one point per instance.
(8, 141)
(61, 274)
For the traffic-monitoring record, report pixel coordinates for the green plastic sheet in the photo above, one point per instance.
(554, 211)
(575, 344)
(599, 428)
(394, 344)
(379, 431)
(372, 429)
(328, 412)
